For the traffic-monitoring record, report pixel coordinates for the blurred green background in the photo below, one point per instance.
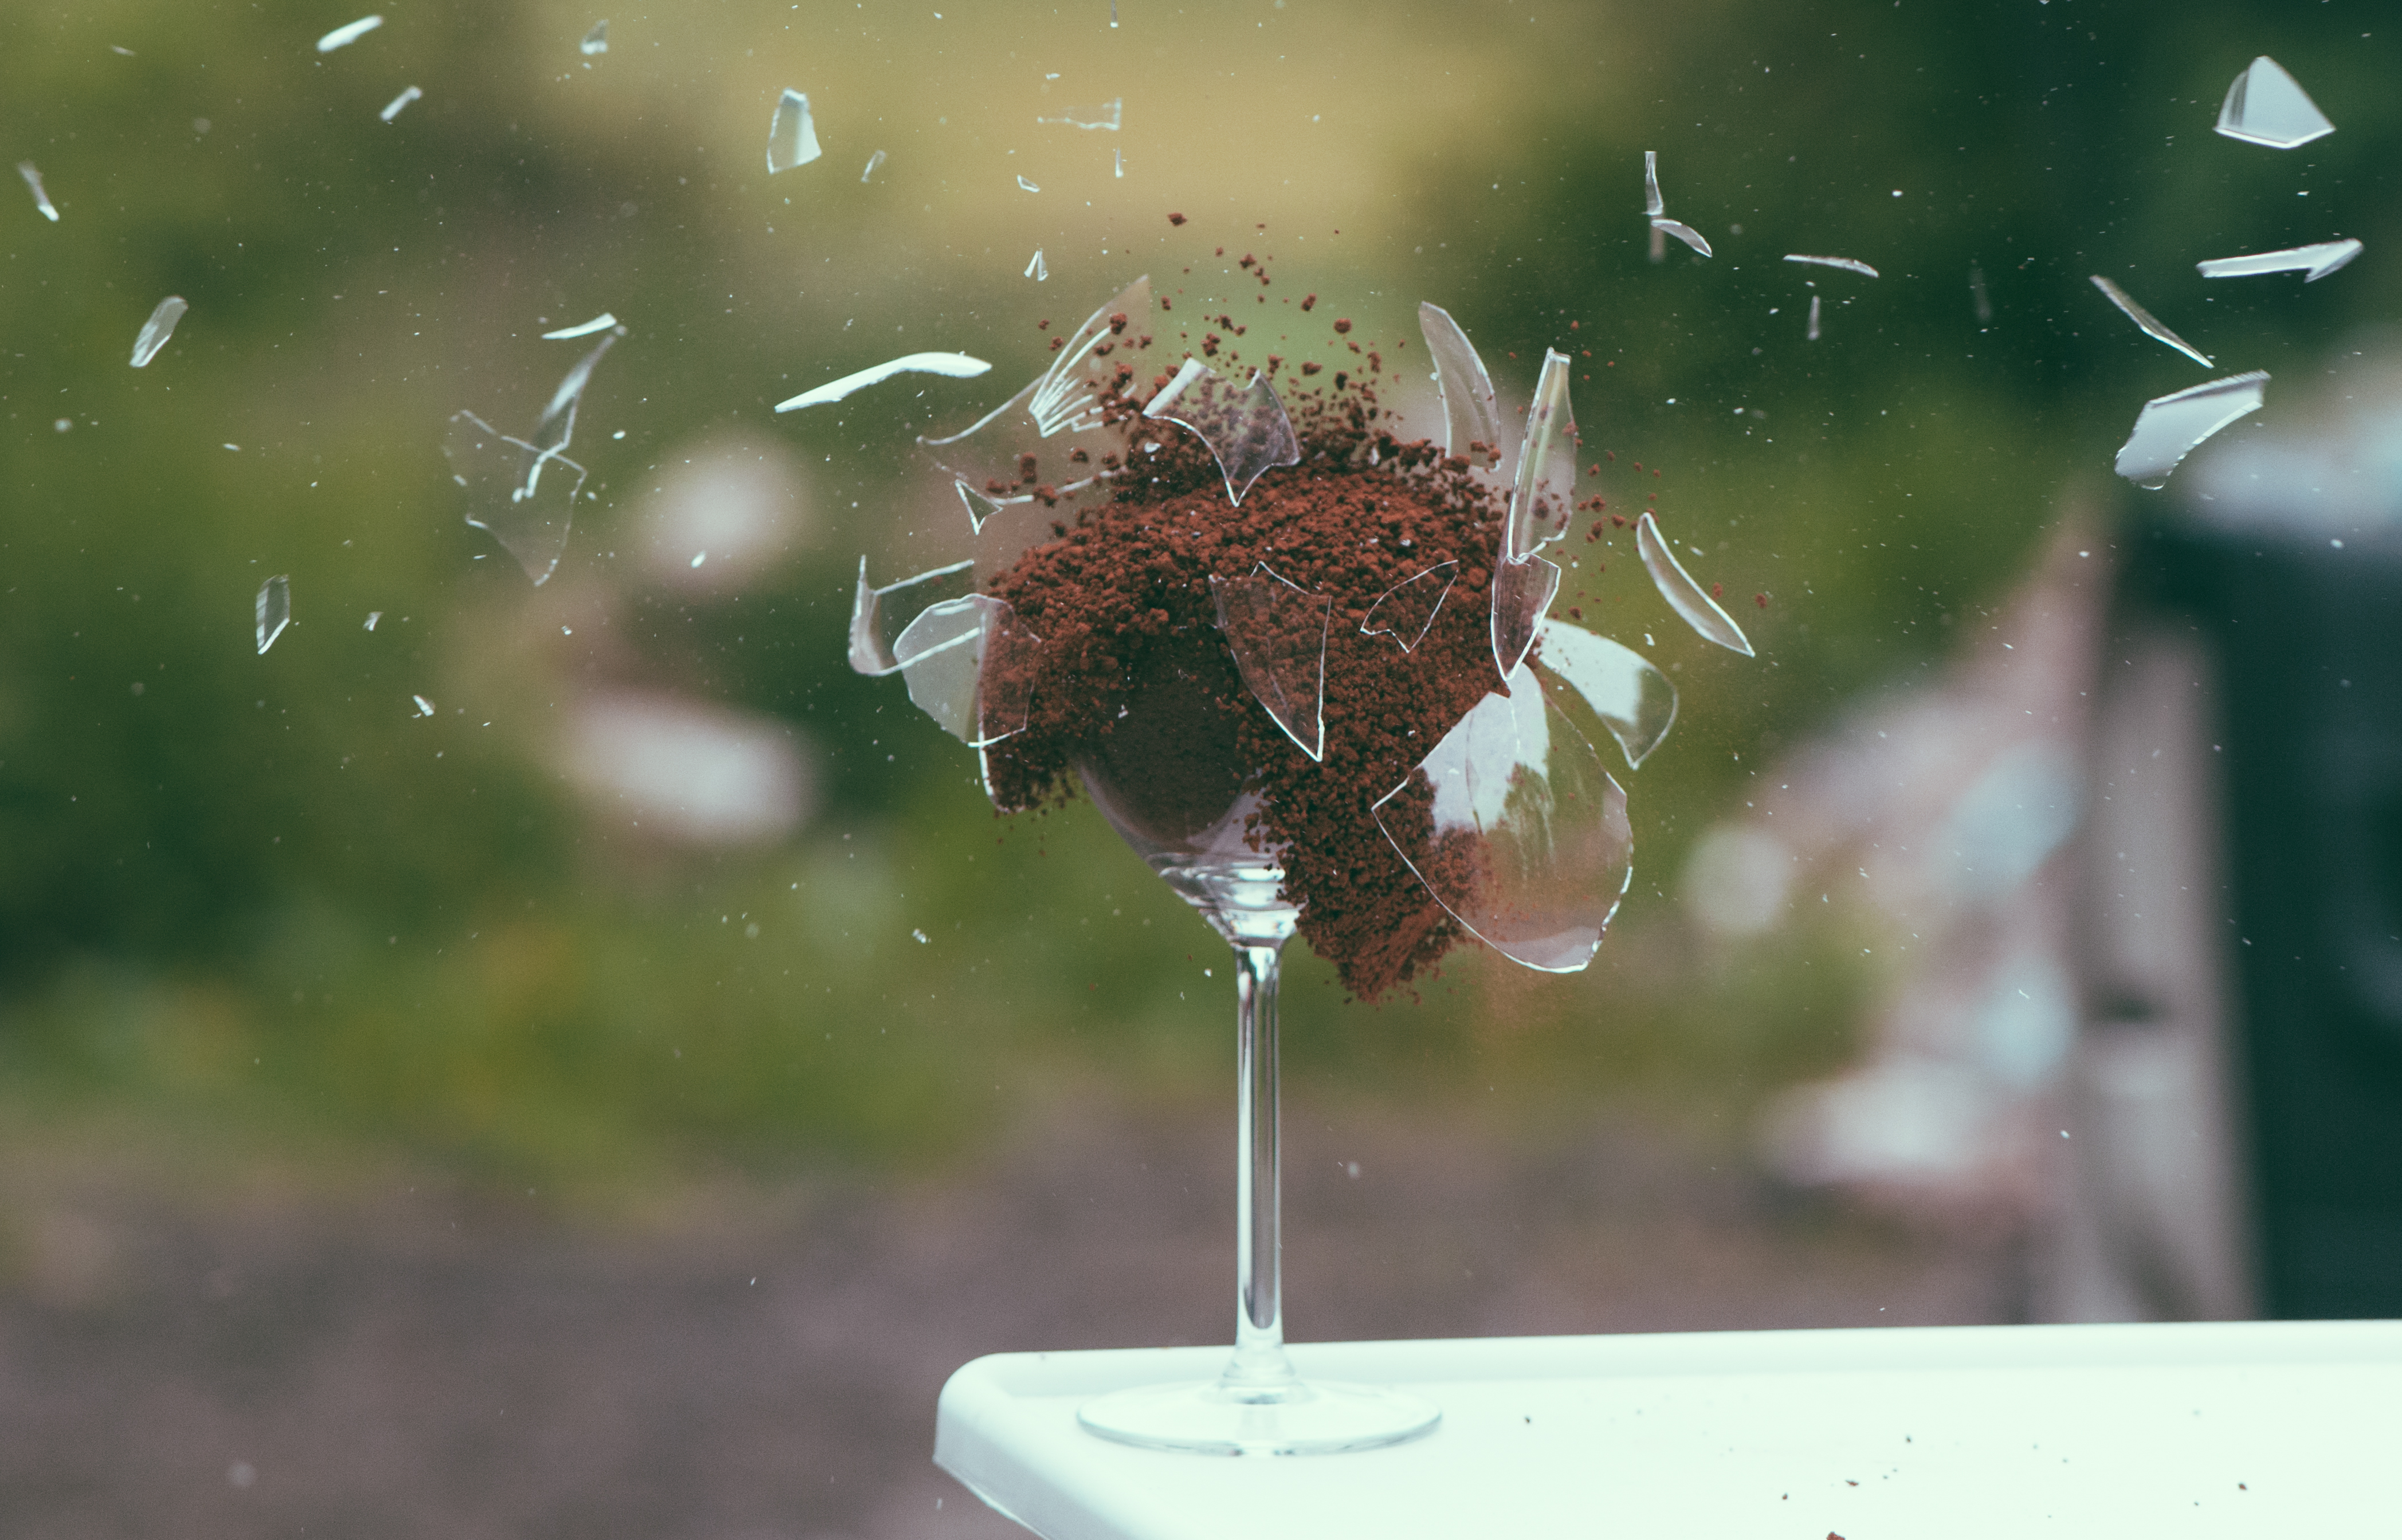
(260, 899)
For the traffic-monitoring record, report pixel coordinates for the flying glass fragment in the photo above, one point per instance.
(1517, 830)
(600, 322)
(1108, 114)
(2171, 426)
(158, 329)
(955, 365)
(2317, 260)
(1652, 205)
(1522, 591)
(391, 108)
(1278, 634)
(597, 40)
(1026, 186)
(1406, 612)
(1471, 419)
(873, 162)
(1543, 500)
(1117, 163)
(1684, 596)
(1683, 232)
(425, 707)
(2267, 107)
(41, 200)
(1035, 268)
(373, 615)
(344, 36)
(558, 425)
(970, 665)
(2144, 318)
(274, 611)
(875, 628)
(1813, 318)
(1849, 265)
(1632, 699)
(522, 496)
(792, 137)
(1246, 430)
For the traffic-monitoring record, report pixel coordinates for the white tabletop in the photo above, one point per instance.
(2248, 1429)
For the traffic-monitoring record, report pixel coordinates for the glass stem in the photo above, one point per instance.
(1259, 1358)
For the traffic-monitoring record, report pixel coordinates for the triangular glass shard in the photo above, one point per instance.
(1543, 500)
(524, 497)
(1684, 596)
(792, 136)
(2317, 259)
(597, 40)
(158, 329)
(1522, 591)
(2170, 426)
(1683, 232)
(2267, 107)
(969, 665)
(274, 610)
(1278, 634)
(1652, 206)
(1515, 827)
(875, 625)
(556, 427)
(1405, 612)
(1632, 699)
(1246, 430)
(1470, 414)
(2144, 319)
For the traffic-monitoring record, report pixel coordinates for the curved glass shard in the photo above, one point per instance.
(1024, 186)
(600, 322)
(2317, 260)
(1246, 430)
(1522, 591)
(1517, 828)
(875, 628)
(597, 40)
(391, 108)
(1470, 414)
(873, 162)
(523, 497)
(557, 424)
(792, 135)
(970, 665)
(274, 610)
(158, 329)
(955, 365)
(1849, 265)
(2268, 106)
(1685, 596)
(1683, 232)
(1278, 634)
(1632, 699)
(1406, 611)
(348, 33)
(2144, 318)
(1652, 205)
(1108, 114)
(2170, 426)
(33, 176)
(1543, 500)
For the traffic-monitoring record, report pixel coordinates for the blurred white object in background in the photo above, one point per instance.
(685, 771)
(719, 515)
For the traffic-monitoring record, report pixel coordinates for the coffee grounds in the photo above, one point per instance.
(1121, 599)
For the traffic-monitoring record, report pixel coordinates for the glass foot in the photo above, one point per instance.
(1306, 1417)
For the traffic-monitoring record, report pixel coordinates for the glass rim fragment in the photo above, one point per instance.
(1690, 600)
(1471, 413)
(2149, 323)
(2173, 426)
(348, 33)
(1683, 232)
(2303, 120)
(954, 365)
(1843, 263)
(1551, 423)
(158, 329)
(2316, 260)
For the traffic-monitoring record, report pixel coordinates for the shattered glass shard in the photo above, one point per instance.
(2268, 106)
(1278, 634)
(41, 200)
(600, 322)
(970, 665)
(2144, 318)
(1024, 186)
(875, 628)
(1522, 591)
(1108, 114)
(1035, 268)
(1632, 699)
(1652, 206)
(350, 32)
(1517, 828)
(523, 497)
(1813, 318)
(158, 329)
(873, 162)
(274, 611)
(792, 136)
(1407, 611)
(2170, 426)
(391, 108)
(2317, 259)
(1684, 596)
(425, 707)
(1845, 264)
(1471, 416)
(955, 365)
(1543, 500)
(597, 40)
(1117, 163)
(1683, 232)
(373, 615)
(1247, 431)
(556, 427)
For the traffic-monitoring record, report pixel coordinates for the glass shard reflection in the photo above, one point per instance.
(955, 365)
(2317, 260)
(597, 40)
(41, 200)
(1036, 268)
(792, 136)
(1684, 596)
(391, 108)
(873, 162)
(1522, 591)
(600, 322)
(274, 611)
(2170, 426)
(1517, 830)
(1543, 499)
(1247, 431)
(1108, 114)
(875, 628)
(2144, 318)
(2268, 106)
(158, 329)
(970, 665)
(1471, 419)
(1683, 232)
(1846, 264)
(1278, 634)
(1406, 611)
(1632, 699)
(1652, 205)
(522, 496)
(342, 36)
